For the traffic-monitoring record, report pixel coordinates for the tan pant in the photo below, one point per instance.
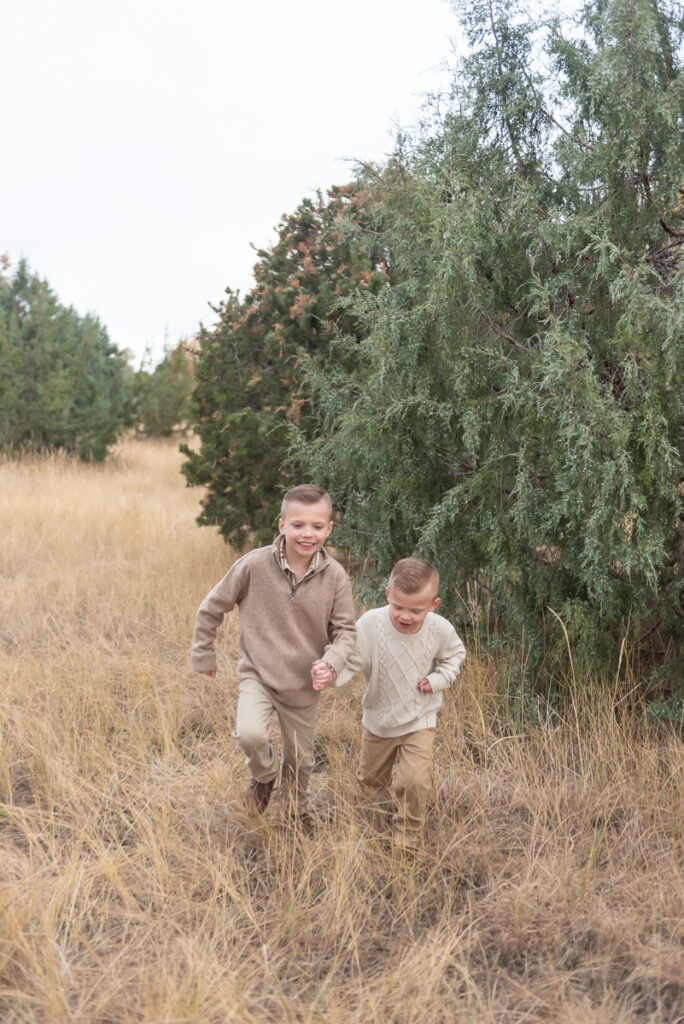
(256, 706)
(400, 765)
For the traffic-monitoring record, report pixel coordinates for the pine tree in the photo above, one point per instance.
(62, 382)
(161, 395)
(250, 368)
(515, 410)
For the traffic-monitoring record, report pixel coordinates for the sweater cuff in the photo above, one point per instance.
(344, 676)
(205, 664)
(335, 660)
(437, 682)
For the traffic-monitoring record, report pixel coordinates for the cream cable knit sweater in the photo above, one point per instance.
(393, 663)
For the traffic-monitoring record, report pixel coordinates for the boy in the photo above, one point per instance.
(407, 655)
(295, 608)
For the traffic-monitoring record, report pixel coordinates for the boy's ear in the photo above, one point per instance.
(387, 594)
(436, 603)
(281, 525)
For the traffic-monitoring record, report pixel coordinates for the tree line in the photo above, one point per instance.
(477, 346)
(63, 384)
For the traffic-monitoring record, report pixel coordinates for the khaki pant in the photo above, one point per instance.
(256, 706)
(400, 765)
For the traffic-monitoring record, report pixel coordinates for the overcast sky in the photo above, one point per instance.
(147, 143)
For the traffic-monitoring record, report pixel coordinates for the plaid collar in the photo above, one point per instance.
(282, 561)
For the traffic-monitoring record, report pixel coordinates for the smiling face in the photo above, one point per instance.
(305, 529)
(408, 611)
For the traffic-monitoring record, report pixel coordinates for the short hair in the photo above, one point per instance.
(412, 574)
(306, 494)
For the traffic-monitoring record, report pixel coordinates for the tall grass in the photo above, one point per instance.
(133, 887)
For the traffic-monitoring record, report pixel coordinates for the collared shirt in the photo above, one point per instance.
(292, 579)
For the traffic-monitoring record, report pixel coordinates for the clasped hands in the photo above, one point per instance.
(322, 675)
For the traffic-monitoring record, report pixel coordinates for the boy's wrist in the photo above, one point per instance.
(332, 670)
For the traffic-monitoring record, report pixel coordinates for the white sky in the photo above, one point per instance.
(148, 142)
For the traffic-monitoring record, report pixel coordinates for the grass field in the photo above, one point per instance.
(134, 888)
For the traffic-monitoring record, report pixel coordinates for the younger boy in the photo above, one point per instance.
(295, 608)
(407, 655)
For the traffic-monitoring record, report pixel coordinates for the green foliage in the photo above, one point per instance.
(249, 373)
(478, 347)
(62, 382)
(161, 395)
(514, 409)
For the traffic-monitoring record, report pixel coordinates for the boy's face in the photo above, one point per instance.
(305, 528)
(408, 611)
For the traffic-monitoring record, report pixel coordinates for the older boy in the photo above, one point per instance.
(407, 655)
(295, 608)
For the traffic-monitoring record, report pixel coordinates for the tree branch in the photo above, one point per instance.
(500, 332)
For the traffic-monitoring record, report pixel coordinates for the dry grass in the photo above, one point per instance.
(133, 888)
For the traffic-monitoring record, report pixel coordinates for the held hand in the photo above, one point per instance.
(424, 686)
(212, 674)
(321, 676)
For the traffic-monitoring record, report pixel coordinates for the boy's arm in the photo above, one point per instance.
(359, 660)
(323, 677)
(215, 605)
(341, 627)
(355, 664)
(450, 656)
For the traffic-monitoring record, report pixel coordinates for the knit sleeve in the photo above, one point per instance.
(341, 627)
(218, 602)
(449, 657)
(359, 660)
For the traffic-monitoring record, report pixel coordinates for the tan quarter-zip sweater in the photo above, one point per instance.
(284, 626)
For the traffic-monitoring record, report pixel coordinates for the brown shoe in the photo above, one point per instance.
(304, 821)
(258, 795)
(406, 840)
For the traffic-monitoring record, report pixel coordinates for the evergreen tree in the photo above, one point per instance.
(62, 382)
(249, 372)
(515, 409)
(161, 395)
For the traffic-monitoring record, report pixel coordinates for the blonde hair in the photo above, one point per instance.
(306, 494)
(412, 574)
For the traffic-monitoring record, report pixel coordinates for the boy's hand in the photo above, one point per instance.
(424, 686)
(321, 675)
(212, 674)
